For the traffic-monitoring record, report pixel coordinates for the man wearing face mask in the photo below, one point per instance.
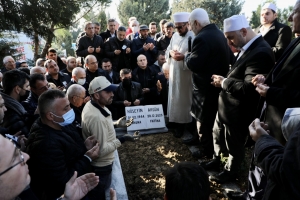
(134, 25)
(15, 90)
(144, 45)
(38, 84)
(118, 50)
(55, 148)
(129, 93)
(79, 77)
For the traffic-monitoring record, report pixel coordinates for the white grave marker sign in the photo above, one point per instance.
(145, 117)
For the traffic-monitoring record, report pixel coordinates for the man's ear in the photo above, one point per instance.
(17, 89)
(49, 116)
(244, 32)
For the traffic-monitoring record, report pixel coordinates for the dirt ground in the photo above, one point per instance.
(144, 162)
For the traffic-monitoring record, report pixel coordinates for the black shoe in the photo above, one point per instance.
(236, 195)
(213, 165)
(223, 177)
(177, 134)
(191, 141)
(200, 155)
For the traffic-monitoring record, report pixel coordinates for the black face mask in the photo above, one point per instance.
(24, 97)
(127, 82)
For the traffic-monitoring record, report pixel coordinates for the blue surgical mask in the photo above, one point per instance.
(68, 118)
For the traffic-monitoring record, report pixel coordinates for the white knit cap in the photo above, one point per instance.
(235, 23)
(181, 17)
(270, 6)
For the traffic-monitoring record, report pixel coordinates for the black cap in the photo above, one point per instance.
(144, 27)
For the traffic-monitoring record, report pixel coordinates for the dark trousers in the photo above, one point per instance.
(232, 138)
(104, 173)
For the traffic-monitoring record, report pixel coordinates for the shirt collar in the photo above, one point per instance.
(246, 46)
(104, 113)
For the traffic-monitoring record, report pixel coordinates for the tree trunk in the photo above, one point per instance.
(48, 42)
(36, 45)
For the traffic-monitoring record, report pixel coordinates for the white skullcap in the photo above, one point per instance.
(181, 17)
(270, 6)
(235, 23)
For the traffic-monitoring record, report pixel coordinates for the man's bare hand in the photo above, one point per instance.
(91, 49)
(262, 89)
(117, 52)
(145, 47)
(158, 85)
(151, 46)
(94, 152)
(258, 79)
(136, 102)
(128, 50)
(257, 129)
(98, 49)
(77, 188)
(127, 103)
(145, 90)
(123, 123)
(217, 80)
(90, 142)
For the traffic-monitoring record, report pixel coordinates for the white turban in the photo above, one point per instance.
(270, 6)
(181, 17)
(235, 23)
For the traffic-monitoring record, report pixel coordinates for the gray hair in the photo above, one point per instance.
(201, 16)
(76, 70)
(7, 57)
(166, 66)
(74, 90)
(34, 70)
(39, 62)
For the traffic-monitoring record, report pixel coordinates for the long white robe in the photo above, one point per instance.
(180, 81)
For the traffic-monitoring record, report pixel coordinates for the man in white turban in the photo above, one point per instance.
(180, 77)
(238, 99)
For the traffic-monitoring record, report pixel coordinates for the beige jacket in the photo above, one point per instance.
(95, 123)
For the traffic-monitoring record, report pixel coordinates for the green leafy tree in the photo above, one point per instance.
(102, 19)
(218, 10)
(63, 40)
(41, 18)
(144, 10)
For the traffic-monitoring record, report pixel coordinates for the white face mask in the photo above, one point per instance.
(135, 29)
(81, 81)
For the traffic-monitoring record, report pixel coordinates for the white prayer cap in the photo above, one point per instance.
(181, 17)
(235, 23)
(271, 6)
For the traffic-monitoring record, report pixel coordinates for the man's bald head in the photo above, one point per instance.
(38, 70)
(142, 61)
(76, 94)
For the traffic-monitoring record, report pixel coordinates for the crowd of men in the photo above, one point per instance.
(218, 86)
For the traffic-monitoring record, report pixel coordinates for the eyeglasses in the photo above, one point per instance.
(80, 97)
(20, 162)
(180, 27)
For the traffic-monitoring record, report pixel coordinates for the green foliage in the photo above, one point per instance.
(145, 11)
(218, 10)
(8, 46)
(43, 17)
(63, 40)
(99, 17)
